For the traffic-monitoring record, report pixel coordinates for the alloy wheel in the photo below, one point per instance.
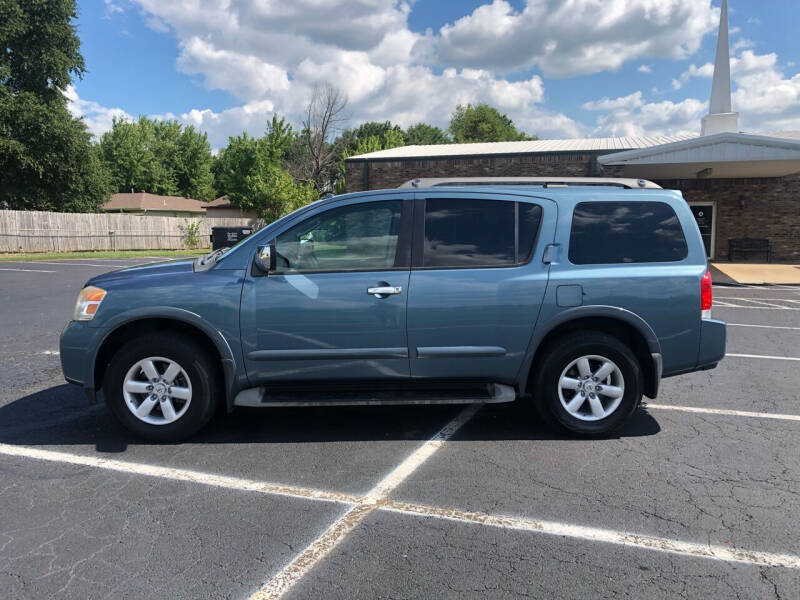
(157, 390)
(591, 387)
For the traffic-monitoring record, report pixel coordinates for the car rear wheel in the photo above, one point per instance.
(589, 383)
(161, 386)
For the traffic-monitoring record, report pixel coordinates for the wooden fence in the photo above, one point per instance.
(40, 231)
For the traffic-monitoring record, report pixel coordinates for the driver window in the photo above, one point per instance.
(359, 236)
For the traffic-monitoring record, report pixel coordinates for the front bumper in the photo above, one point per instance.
(77, 349)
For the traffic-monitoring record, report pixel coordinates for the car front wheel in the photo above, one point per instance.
(161, 386)
(589, 383)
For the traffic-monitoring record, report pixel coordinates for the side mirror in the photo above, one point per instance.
(263, 258)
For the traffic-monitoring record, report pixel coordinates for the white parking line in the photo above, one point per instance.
(759, 302)
(41, 262)
(763, 326)
(233, 483)
(27, 270)
(596, 534)
(756, 299)
(727, 354)
(301, 564)
(724, 411)
(728, 305)
(377, 499)
(761, 288)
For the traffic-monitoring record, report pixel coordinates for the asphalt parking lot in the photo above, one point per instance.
(698, 497)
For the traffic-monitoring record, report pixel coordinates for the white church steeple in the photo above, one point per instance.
(720, 118)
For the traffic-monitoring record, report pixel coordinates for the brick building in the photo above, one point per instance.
(739, 185)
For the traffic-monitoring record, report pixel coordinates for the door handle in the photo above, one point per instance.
(385, 290)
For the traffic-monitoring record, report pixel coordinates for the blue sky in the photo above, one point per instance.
(620, 69)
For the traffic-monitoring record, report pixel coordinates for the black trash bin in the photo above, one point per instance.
(222, 237)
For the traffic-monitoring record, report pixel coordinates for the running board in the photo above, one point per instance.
(493, 393)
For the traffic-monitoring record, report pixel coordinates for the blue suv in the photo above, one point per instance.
(575, 295)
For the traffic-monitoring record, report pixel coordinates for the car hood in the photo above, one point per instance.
(148, 270)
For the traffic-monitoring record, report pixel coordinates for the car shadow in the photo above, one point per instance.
(60, 416)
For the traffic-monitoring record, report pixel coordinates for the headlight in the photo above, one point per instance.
(88, 302)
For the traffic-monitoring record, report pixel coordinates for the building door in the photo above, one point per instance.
(704, 214)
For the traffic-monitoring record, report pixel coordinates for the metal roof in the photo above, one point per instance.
(144, 202)
(786, 135)
(720, 147)
(526, 147)
(717, 156)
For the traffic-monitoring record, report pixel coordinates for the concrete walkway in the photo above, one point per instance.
(752, 273)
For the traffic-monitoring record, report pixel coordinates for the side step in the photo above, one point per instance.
(492, 393)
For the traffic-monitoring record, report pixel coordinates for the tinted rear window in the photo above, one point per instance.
(466, 232)
(625, 232)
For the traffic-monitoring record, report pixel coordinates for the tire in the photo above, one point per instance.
(176, 417)
(562, 377)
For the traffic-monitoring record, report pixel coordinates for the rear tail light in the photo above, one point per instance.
(706, 295)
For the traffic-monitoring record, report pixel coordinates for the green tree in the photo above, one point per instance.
(250, 173)
(192, 164)
(160, 157)
(280, 138)
(483, 123)
(422, 134)
(46, 157)
(129, 150)
(351, 139)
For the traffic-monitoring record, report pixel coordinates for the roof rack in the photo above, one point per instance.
(547, 182)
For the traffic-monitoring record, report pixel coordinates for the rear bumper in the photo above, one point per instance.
(713, 338)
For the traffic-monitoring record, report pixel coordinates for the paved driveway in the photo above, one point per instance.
(697, 497)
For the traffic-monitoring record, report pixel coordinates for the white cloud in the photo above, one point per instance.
(245, 76)
(396, 95)
(746, 63)
(111, 8)
(269, 55)
(766, 99)
(706, 70)
(251, 118)
(632, 116)
(98, 118)
(570, 38)
(156, 24)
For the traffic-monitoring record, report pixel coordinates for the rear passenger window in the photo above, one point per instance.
(468, 232)
(625, 232)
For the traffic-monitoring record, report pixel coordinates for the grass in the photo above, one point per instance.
(25, 256)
